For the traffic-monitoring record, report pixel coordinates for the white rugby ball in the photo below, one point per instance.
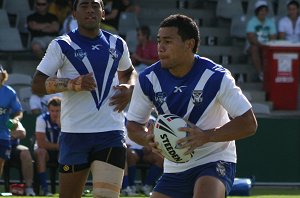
(166, 133)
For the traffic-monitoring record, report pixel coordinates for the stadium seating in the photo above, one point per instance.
(229, 8)
(4, 21)
(18, 81)
(127, 21)
(10, 40)
(24, 97)
(16, 6)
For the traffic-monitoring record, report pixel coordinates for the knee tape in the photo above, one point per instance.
(107, 179)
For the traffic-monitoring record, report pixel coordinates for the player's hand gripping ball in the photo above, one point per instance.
(166, 133)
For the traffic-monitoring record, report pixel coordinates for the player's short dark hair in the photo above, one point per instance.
(293, 2)
(54, 101)
(187, 28)
(145, 30)
(75, 4)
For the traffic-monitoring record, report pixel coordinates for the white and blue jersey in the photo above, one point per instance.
(45, 125)
(205, 96)
(72, 55)
(9, 104)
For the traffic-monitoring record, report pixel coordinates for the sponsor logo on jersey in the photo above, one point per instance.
(80, 54)
(96, 47)
(197, 97)
(160, 98)
(178, 89)
(113, 53)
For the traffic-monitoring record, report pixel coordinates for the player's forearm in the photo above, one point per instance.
(238, 128)
(137, 133)
(56, 85)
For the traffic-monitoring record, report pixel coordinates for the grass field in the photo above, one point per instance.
(256, 192)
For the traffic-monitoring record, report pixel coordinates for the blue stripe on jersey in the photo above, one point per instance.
(183, 95)
(210, 91)
(102, 55)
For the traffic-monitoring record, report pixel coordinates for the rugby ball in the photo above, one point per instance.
(166, 133)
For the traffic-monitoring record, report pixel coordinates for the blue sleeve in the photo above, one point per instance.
(15, 104)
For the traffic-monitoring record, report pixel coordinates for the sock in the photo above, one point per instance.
(131, 175)
(43, 181)
(153, 174)
(125, 182)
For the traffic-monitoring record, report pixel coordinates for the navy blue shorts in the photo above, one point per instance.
(178, 185)
(5, 149)
(77, 148)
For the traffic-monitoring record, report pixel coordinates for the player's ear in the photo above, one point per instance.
(190, 43)
(103, 15)
(74, 14)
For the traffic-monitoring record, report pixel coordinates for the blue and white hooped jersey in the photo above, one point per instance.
(9, 104)
(205, 96)
(72, 55)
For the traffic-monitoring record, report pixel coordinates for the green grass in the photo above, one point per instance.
(256, 192)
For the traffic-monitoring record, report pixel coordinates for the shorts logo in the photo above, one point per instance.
(197, 97)
(221, 170)
(66, 168)
(160, 98)
(80, 54)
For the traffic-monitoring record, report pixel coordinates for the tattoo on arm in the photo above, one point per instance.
(55, 85)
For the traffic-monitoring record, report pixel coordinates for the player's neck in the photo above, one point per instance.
(183, 68)
(89, 33)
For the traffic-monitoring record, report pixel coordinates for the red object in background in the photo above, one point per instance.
(281, 61)
(17, 189)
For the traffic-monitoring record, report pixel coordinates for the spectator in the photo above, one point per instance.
(38, 104)
(260, 29)
(289, 26)
(21, 154)
(69, 24)
(9, 104)
(43, 27)
(113, 11)
(47, 132)
(146, 50)
(61, 9)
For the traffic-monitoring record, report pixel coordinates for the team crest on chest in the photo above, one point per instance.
(113, 53)
(160, 98)
(80, 54)
(197, 97)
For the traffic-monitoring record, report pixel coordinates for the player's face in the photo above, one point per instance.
(171, 48)
(89, 14)
(54, 112)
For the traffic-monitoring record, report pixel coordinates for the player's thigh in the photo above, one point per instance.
(72, 181)
(209, 187)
